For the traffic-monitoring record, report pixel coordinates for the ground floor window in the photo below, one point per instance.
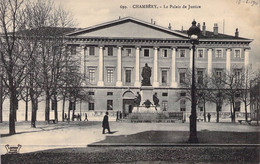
(164, 105)
(91, 106)
(183, 105)
(109, 104)
(237, 106)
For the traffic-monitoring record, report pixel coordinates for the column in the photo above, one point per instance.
(210, 62)
(101, 67)
(228, 60)
(137, 67)
(246, 58)
(119, 67)
(173, 82)
(155, 67)
(82, 60)
(191, 53)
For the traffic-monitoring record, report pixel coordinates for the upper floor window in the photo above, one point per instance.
(110, 51)
(164, 76)
(91, 93)
(237, 54)
(92, 51)
(128, 76)
(73, 50)
(110, 75)
(218, 54)
(164, 94)
(92, 75)
(165, 53)
(128, 52)
(237, 74)
(219, 75)
(109, 93)
(182, 53)
(200, 77)
(200, 53)
(146, 53)
(182, 77)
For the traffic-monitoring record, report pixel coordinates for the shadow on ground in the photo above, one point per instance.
(179, 137)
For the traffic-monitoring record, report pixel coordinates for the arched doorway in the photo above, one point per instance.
(128, 102)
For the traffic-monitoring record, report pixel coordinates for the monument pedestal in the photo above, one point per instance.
(146, 94)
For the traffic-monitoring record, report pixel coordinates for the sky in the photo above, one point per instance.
(241, 14)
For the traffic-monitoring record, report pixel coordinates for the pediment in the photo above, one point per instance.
(128, 28)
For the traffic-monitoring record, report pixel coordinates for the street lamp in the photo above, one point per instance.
(193, 34)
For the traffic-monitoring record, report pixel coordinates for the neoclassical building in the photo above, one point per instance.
(113, 54)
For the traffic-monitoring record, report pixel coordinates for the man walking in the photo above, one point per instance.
(105, 123)
(209, 115)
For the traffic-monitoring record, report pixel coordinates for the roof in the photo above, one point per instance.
(210, 35)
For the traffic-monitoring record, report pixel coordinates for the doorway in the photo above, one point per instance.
(128, 105)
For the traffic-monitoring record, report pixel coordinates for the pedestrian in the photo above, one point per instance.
(117, 115)
(86, 117)
(120, 115)
(105, 123)
(209, 117)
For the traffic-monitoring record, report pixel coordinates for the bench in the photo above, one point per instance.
(13, 149)
(53, 121)
(248, 121)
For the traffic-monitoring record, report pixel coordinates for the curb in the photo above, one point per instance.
(168, 145)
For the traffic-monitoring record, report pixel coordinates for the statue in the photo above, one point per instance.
(137, 99)
(155, 100)
(146, 74)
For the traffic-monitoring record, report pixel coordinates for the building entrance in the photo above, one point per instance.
(128, 105)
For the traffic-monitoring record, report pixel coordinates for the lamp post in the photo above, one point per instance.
(193, 34)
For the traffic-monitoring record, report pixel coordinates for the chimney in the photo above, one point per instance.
(198, 25)
(204, 29)
(181, 28)
(119, 17)
(170, 26)
(236, 33)
(154, 22)
(215, 29)
(151, 21)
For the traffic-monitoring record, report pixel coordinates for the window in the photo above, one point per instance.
(200, 53)
(183, 94)
(110, 51)
(146, 52)
(73, 50)
(109, 104)
(182, 78)
(200, 77)
(237, 54)
(128, 76)
(164, 105)
(92, 51)
(164, 77)
(92, 75)
(237, 73)
(218, 54)
(164, 94)
(219, 75)
(165, 54)
(200, 105)
(128, 52)
(182, 53)
(110, 75)
(237, 106)
(91, 93)
(109, 93)
(91, 106)
(182, 105)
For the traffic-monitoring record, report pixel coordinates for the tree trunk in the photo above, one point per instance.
(26, 110)
(33, 119)
(55, 108)
(73, 113)
(217, 112)
(47, 107)
(1, 99)
(257, 114)
(231, 113)
(246, 112)
(69, 112)
(234, 112)
(12, 109)
(63, 108)
(204, 114)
